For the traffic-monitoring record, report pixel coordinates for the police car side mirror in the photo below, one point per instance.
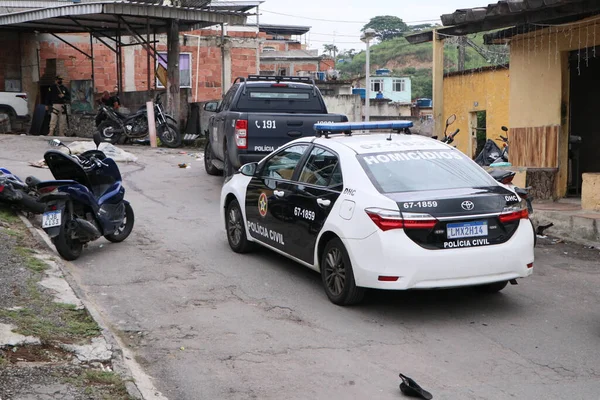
(249, 169)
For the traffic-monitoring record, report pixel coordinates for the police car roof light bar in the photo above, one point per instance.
(325, 129)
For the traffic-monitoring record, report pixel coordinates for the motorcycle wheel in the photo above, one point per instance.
(70, 249)
(109, 131)
(169, 135)
(126, 227)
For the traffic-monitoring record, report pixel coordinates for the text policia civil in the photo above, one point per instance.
(266, 232)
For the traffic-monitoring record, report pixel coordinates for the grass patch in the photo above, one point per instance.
(101, 385)
(50, 321)
(32, 262)
(8, 215)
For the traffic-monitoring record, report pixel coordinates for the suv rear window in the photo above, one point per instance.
(409, 171)
(280, 99)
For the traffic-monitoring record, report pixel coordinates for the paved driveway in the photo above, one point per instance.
(217, 325)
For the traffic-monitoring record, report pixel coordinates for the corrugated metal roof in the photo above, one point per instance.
(273, 29)
(504, 8)
(510, 13)
(101, 16)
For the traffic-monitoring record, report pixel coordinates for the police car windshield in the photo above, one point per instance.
(409, 171)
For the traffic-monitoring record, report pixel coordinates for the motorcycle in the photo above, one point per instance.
(448, 139)
(19, 194)
(85, 202)
(135, 126)
(491, 153)
(504, 139)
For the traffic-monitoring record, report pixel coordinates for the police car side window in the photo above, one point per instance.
(321, 168)
(283, 164)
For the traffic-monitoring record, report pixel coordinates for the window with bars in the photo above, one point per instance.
(399, 85)
(377, 85)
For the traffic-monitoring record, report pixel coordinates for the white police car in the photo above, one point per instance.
(384, 211)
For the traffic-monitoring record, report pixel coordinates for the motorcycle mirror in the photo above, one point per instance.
(55, 143)
(505, 129)
(451, 119)
(97, 140)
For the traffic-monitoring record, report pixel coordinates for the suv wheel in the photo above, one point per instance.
(208, 160)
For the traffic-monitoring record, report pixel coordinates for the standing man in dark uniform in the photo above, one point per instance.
(56, 102)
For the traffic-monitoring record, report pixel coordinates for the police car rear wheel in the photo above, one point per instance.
(234, 224)
(337, 275)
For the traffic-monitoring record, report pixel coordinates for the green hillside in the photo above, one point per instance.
(415, 61)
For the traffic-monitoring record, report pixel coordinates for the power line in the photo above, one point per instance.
(313, 19)
(341, 21)
(329, 41)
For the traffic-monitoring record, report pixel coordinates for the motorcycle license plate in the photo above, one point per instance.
(51, 219)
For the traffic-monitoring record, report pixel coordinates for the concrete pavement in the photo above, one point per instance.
(207, 323)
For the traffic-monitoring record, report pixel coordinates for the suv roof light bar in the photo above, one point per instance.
(280, 78)
(346, 128)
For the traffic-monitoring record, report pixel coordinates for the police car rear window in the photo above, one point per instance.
(409, 171)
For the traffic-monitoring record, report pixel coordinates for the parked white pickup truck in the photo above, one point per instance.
(15, 105)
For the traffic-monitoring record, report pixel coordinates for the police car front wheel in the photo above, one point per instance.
(236, 232)
(337, 275)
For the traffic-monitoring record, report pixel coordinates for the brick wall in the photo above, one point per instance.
(209, 80)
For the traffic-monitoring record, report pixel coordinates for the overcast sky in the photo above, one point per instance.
(305, 12)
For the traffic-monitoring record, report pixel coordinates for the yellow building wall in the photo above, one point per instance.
(485, 90)
(539, 81)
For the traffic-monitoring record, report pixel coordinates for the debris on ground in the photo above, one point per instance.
(540, 229)
(50, 346)
(184, 165)
(117, 154)
(38, 164)
(410, 388)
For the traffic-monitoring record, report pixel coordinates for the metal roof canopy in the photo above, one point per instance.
(509, 13)
(103, 20)
(284, 29)
(109, 18)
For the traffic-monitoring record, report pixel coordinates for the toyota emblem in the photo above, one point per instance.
(467, 205)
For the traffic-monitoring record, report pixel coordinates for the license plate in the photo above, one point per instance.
(467, 229)
(51, 219)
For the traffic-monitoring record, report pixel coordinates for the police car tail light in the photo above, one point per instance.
(511, 215)
(391, 219)
(241, 133)
(418, 221)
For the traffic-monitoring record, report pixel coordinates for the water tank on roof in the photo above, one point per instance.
(383, 72)
(424, 103)
(362, 92)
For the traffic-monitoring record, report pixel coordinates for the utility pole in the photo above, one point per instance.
(462, 42)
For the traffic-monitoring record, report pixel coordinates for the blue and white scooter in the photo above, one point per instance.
(85, 202)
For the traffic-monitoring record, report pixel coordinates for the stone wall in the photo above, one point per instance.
(541, 182)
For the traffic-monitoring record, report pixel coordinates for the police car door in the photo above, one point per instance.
(267, 205)
(317, 187)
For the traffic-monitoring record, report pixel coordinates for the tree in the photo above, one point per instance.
(331, 49)
(420, 27)
(387, 27)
